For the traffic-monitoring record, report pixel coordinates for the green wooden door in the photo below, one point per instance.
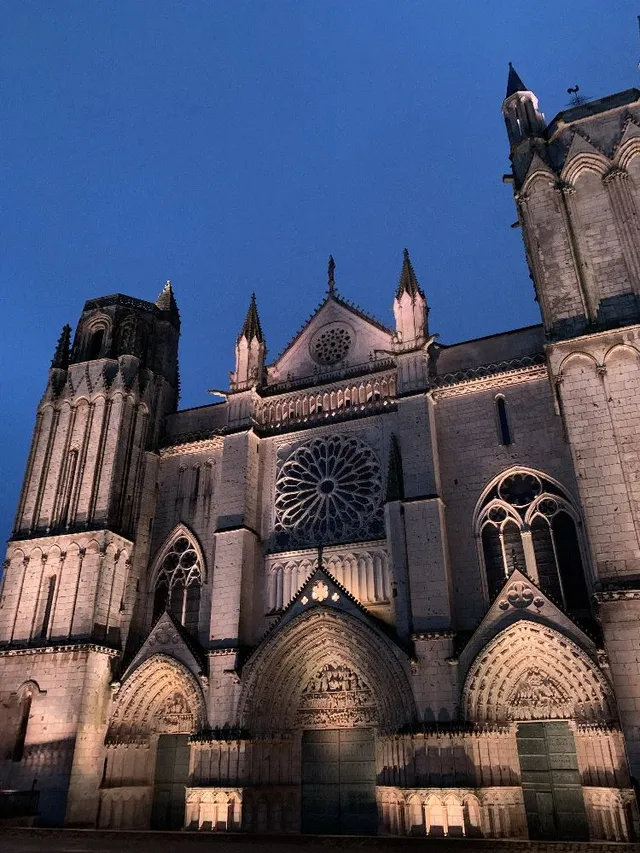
(551, 784)
(339, 782)
(171, 777)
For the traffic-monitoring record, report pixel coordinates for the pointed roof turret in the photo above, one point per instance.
(514, 83)
(252, 328)
(62, 354)
(166, 301)
(408, 282)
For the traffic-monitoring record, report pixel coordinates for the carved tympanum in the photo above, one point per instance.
(538, 696)
(336, 696)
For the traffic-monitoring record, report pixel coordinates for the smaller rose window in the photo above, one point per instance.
(520, 489)
(331, 345)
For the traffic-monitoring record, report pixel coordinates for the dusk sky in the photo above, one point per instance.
(232, 146)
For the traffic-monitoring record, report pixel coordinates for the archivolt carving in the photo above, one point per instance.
(161, 695)
(295, 678)
(531, 672)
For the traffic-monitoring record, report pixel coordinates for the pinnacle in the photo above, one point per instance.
(252, 328)
(166, 301)
(514, 83)
(408, 282)
(62, 354)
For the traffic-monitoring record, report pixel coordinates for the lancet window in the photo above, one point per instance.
(178, 583)
(527, 522)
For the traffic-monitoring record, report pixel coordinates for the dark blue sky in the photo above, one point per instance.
(231, 146)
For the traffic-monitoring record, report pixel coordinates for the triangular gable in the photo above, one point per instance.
(167, 637)
(630, 130)
(322, 590)
(365, 335)
(520, 598)
(581, 145)
(537, 164)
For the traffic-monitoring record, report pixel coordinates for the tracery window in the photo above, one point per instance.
(526, 522)
(178, 583)
(329, 490)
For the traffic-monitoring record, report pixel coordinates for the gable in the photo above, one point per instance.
(520, 599)
(336, 337)
(166, 638)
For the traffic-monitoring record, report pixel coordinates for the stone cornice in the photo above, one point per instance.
(472, 385)
(61, 649)
(617, 595)
(433, 635)
(193, 445)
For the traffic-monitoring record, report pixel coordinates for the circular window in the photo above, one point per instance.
(331, 345)
(328, 489)
(520, 489)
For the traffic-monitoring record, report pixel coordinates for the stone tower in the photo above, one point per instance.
(82, 525)
(577, 189)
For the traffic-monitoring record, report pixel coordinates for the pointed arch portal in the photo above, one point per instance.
(325, 670)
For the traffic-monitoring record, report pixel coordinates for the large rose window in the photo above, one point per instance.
(329, 490)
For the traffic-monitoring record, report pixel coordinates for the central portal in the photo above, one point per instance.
(339, 782)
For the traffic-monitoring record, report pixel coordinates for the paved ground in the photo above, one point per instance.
(14, 840)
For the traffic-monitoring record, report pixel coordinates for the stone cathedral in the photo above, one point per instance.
(385, 585)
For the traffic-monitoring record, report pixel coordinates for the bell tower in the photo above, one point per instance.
(80, 539)
(576, 183)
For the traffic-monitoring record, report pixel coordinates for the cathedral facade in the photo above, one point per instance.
(385, 585)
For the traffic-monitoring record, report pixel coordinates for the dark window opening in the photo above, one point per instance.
(160, 598)
(67, 488)
(95, 343)
(48, 607)
(21, 735)
(574, 585)
(503, 422)
(492, 548)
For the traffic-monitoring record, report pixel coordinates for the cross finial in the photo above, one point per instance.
(331, 272)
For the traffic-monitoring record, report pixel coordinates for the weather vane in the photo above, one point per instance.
(576, 99)
(331, 272)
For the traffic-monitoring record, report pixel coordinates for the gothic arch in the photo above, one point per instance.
(160, 696)
(513, 469)
(545, 174)
(627, 152)
(621, 350)
(584, 162)
(315, 642)
(178, 531)
(529, 671)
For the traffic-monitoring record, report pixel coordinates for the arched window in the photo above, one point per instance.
(178, 583)
(66, 490)
(524, 504)
(503, 422)
(96, 341)
(50, 589)
(23, 724)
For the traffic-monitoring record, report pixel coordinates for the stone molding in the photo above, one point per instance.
(472, 385)
(204, 445)
(62, 649)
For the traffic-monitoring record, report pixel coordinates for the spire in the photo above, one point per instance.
(514, 83)
(331, 272)
(408, 282)
(166, 302)
(251, 328)
(62, 354)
